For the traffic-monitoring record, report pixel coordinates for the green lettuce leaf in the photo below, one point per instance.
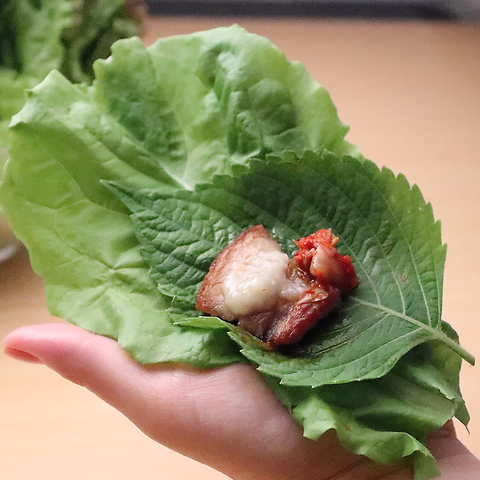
(12, 99)
(212, 99)
(384, 225)
(94, 278)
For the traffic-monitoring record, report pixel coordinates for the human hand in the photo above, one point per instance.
(227, 418)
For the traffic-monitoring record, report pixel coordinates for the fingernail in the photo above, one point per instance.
(21, 355)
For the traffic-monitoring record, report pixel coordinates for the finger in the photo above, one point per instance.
(452, 456)
(227, 418)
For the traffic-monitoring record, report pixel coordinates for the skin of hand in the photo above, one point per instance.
(227, 418)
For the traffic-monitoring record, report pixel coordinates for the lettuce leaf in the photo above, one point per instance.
(209, 100)
(12, 99)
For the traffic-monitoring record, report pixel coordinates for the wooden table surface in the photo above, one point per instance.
(410, 92)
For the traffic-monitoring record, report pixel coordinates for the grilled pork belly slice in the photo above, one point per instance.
(253, 284)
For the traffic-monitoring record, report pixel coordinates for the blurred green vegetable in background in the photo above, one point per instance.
(37, 36)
